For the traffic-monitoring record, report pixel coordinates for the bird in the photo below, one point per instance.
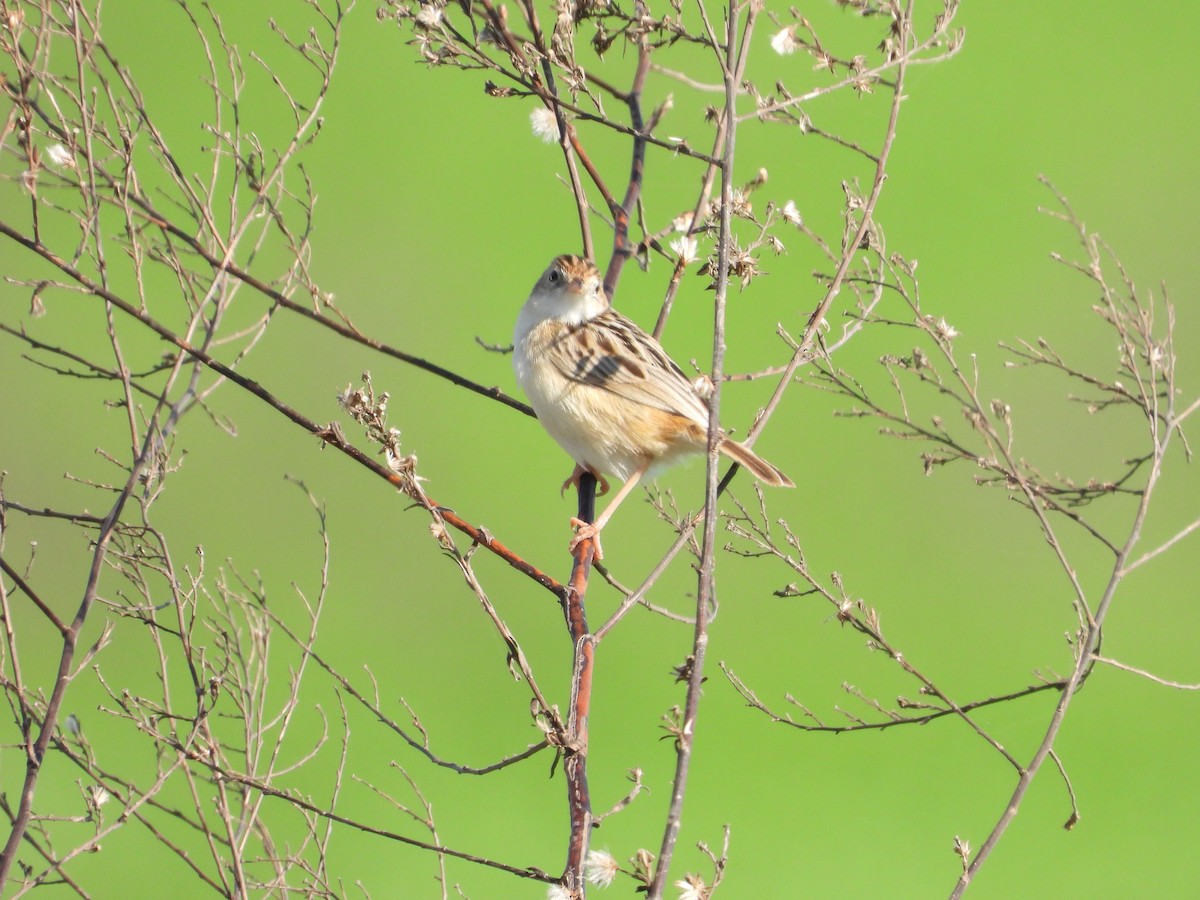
(607, 391)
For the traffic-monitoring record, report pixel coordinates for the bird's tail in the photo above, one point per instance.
(758, 467)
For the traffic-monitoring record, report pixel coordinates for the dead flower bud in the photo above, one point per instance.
(683, 671)
(348, 398)
(643, 866)
(759, 179)
(784, 42)
(743, 265)
(429, 15)
(962, 848)
(602, 40)
(685, 249)
(494, 90)
(928, 461)
(692, 887)
(99, 794)
(437, 530)
(740, 203)
(601, 868)
(60, 156)
(544, 124)
(941, 329)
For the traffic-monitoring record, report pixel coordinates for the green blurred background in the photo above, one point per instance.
(437, 210)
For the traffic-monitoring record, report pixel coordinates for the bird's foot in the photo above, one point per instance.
(579, 472)
(586, 531)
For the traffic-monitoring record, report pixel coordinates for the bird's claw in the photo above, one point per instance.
(586, 531)
(579, 472)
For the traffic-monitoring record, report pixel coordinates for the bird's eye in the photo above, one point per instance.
(553, 276)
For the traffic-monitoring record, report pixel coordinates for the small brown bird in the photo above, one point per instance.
(607, 391)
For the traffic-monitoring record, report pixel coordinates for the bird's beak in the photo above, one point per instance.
(588, 286)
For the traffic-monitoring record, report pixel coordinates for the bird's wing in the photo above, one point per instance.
(612, 353)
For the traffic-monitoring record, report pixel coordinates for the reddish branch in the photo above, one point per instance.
(621, 247)
(328, 434)
(575, 752)
(579, 801)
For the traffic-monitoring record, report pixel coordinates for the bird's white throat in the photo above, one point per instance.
(569, 307)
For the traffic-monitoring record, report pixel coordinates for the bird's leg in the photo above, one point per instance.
(579, 472)
(585, 530)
